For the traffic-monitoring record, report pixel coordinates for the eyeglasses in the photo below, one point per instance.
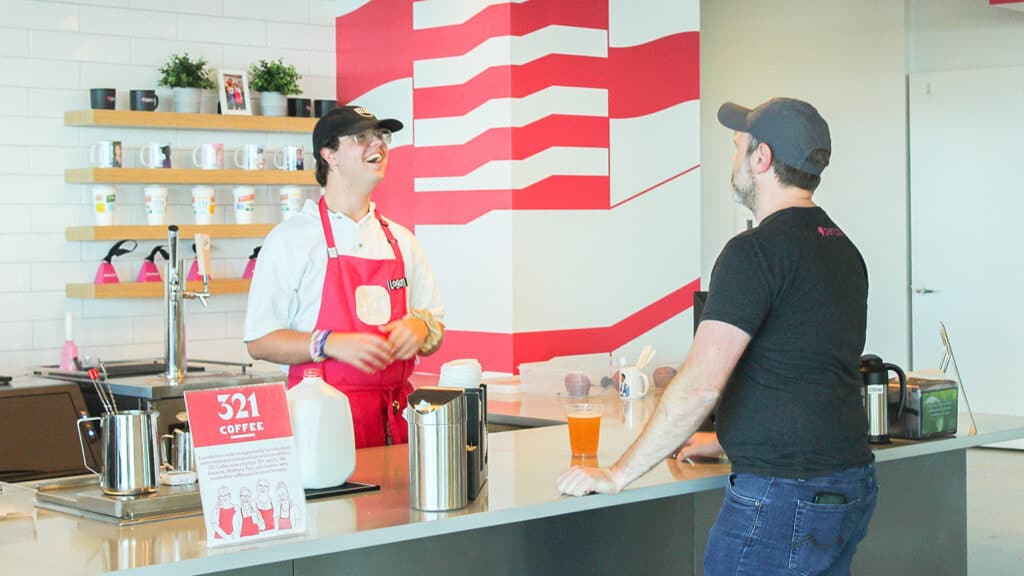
(366, 136)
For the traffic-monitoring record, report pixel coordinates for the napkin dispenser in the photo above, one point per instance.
(476, 439)
(930, 409)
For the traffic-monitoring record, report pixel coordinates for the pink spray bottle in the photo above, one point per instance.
(69, 355)
(148, 272)
(106, 273)
(250, 267)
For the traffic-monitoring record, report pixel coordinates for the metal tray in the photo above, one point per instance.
(81, 496)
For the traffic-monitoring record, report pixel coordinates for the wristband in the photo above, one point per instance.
(435, 330)
(317, 340)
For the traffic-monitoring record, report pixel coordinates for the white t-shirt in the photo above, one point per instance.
(289, 276)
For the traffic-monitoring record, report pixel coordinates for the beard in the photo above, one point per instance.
(743, 190)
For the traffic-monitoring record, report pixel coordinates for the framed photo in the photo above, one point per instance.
(233, 87)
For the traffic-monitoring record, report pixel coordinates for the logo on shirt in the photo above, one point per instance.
(830, 232)
(398, 284)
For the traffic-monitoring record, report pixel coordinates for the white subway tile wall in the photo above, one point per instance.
(52, 53)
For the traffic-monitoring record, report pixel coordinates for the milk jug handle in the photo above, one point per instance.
(81, 443)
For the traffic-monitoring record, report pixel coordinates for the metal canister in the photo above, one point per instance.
(131, 452)
(437, 449)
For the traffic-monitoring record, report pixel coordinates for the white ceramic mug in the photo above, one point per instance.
(203, 204)
(155, 155)
(244, 198)
(106, 154)
(208, 156)
(156, 204)
(633, 383)
(104, 199)
(252, 157)
(291, 201)
(289, 158)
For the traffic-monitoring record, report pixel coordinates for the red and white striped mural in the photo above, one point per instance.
(549, 165)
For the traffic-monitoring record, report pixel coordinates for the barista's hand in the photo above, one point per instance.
(701, 444)
(581, 480)
(367, 352)
(406, 336)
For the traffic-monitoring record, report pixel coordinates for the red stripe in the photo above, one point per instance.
(512, 144)
(508, 20)
(510, 82)
(650, 77)
(491, 348)
(362, 61)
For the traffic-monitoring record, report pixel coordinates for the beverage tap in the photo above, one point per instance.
(175, 292)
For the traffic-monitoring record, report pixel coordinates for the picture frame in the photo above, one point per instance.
(233, 93)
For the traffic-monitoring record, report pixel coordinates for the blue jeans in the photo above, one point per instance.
(772, 525)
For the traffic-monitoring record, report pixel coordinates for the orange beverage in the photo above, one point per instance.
(584, 428)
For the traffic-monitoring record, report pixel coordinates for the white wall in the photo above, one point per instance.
(962, 35)
(51, 53)
(846, 58)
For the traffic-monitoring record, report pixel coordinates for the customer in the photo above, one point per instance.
(777, 351)
(343, 289)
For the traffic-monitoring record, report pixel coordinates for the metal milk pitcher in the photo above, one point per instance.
(176, 451)
(130, 444)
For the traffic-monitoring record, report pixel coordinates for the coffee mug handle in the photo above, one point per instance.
(166, 450)
(646, 384)
(92, 154)
(237, 162)
(195, 160)
(142, 158)
(157, 103)
(81, 444)
(278, 160)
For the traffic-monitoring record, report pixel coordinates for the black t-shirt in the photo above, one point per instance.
(792, 406)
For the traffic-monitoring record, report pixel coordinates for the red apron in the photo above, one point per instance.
(249, 527)
(268, 517)
(378, 399)
(226, 521)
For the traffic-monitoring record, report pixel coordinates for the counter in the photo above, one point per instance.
(520, 524)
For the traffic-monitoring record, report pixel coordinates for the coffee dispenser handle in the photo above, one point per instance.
(903, 386)
(81, 443)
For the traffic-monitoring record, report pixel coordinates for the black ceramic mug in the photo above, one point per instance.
(144, 100)
(324, 106)
(102, 98)
(299, 107)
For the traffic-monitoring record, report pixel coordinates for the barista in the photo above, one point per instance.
(342, 288)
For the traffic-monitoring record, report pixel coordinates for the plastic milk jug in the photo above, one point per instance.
(322, 426)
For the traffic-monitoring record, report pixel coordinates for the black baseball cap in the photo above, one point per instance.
(792, 128)
(345, 121)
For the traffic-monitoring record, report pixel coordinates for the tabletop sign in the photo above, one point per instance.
(249, 479)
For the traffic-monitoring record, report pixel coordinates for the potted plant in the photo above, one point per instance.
(186, 76)
(274, 80)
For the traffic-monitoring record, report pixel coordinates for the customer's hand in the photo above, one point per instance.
(701, 444)
(367, 352)
(581, 480)
(406, 336)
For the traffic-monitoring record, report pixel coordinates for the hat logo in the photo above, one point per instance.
(363, 112)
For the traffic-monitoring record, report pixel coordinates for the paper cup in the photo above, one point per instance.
(104, 200)
(291, 201)
(156, 204)
(244, 198)
(203, 204)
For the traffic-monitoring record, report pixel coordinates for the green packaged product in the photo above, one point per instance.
(930, 409)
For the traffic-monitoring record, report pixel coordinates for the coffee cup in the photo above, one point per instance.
(156, 204)
(244, 199)
(299, 107)
(203, 205)
(208, 156)
(102, 98)
(321, 107)
(251, 158)
(633, 383)
(106, 154)
(155, 155)
(145, 100)
(104, 199)
(289, 158)
(291, 201)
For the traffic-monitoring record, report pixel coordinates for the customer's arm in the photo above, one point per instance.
(686, 402)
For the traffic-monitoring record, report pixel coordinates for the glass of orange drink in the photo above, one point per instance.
(584, 427)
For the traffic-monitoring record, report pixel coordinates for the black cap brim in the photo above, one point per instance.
(734, 116)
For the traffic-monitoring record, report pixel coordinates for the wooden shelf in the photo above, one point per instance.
(137, 119)
(188, 176)
(160, 232)
(151, 289)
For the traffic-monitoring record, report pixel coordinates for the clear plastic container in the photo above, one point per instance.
(568, 376)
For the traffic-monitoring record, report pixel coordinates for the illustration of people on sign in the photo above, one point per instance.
(287, 514)
(228, 517)
(265, 505)
(252, 520)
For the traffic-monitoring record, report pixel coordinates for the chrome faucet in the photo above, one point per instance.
(175, 292)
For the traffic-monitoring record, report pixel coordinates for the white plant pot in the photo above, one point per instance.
(273, 104)
(187, 100)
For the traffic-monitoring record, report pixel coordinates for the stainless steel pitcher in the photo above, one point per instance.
(129, 441)
(176, 451)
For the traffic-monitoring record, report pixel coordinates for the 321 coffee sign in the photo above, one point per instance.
(249, 478)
